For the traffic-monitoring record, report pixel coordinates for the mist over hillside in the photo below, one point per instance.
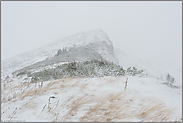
(95, 40)
(84, 78)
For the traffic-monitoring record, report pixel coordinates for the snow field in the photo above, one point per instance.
(92, 99)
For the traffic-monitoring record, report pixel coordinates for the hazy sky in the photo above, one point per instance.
(150, 31)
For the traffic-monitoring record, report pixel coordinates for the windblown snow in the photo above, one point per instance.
(144, 97)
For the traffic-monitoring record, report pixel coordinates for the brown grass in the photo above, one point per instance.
(28, 89)
(115, 107)
(110, 107)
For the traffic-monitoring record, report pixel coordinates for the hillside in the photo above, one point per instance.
(154, 70)
(92, 99)
(95, 40)
(83, 78)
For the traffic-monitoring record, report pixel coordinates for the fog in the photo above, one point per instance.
(150, 31)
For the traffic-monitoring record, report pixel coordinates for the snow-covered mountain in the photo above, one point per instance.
(95, 40)
(109, 98)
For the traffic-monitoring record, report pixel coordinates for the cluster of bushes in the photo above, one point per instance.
(62, 51)
(65, 55)
(93, 68)
(133, 71)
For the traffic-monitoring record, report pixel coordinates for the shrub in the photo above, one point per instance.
(60, 52)
(170, 79)
(7, 77)
(133, 71)
(29, 74)
(21, 73)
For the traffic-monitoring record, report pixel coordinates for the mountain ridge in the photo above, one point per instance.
(95, 39)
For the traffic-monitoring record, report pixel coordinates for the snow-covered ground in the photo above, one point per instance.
(152, 69)
(92, 99)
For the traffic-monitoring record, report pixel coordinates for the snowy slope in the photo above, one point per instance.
(95, 39)
(152, 69)
(90, 99)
